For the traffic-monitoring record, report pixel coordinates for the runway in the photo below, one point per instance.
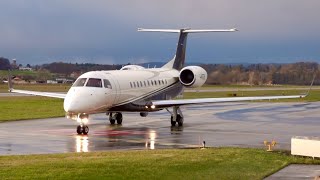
(229, 124)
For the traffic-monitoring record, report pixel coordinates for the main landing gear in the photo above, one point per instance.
(83, 120)
(113, 117)
(176, 116)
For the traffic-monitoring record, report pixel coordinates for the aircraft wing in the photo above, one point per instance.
(37, 93)
(183, 102)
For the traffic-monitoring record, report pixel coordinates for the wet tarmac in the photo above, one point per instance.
(229, 124)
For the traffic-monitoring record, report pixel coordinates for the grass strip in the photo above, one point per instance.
(29, 107)
(212, 163)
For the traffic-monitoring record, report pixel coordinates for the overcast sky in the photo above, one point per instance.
(101, 31)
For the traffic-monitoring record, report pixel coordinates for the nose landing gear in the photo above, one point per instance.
(82, 128)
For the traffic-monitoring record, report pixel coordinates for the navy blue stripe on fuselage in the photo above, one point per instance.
(138, 104)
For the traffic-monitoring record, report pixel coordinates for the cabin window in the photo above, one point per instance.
(130, 84)
(151, 82)
(80, 82)
(107, 84)
(159, 82)
(148, 83)
(145, 84)
(138, 84)
(134, 84)
(162, 81)
(94, 82)
(166, 81)
(155, 82)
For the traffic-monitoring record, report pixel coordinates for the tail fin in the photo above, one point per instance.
(178, 60)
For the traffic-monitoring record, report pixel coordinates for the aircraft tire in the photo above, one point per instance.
(85, 130)
(180, 120)
(112, 121)
(173, 123)
(79, 130)
(119, 118)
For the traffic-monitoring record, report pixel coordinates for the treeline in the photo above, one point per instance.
(4, 63)
(221, 74)
(255, 74)
(263, 74)
(68, 68)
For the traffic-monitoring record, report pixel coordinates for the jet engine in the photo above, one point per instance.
(193, 76)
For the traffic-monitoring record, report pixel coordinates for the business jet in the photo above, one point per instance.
(134, 88)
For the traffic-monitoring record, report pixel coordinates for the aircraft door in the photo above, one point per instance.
(115, 89)
(110, 90)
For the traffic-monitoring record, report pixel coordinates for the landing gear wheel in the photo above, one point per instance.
(85, 130)
(112, 121)
(180, 120)
(173, 123)
(82, 130)
(119, 118)
(79, 130)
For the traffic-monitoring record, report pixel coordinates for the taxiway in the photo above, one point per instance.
(229, 124)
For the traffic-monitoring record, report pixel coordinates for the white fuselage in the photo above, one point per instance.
(121, 87)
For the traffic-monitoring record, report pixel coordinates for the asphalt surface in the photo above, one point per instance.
(297, 171)
(229, 124)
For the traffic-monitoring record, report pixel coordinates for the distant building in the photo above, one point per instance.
(64, 81)
(25, 69)
(75, 74)
(14, 64)
(18, 80)
(51, 82)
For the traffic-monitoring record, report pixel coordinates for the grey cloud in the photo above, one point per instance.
(67, 28)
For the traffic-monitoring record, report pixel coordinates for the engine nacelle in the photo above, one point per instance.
(193, 76)
(132, 67)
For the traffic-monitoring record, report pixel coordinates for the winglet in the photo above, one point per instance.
(314, 76)
(10, 81)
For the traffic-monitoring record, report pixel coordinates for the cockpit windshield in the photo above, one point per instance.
(94, 82)
(107, 84)
(80, 82)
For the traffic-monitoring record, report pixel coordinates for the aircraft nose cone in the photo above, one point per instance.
(75, 103)
(67, 106)
(69, 102)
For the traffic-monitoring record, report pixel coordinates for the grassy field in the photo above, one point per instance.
(38, 87)
(212, 163)
(19, 108)
(4, 73)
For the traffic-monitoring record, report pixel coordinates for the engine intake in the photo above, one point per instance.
(193, 76)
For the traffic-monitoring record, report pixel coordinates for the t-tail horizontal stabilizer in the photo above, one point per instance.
(187, 30)
(178, 60)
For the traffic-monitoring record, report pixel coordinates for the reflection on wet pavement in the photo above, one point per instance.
(82, 143)
(233, 124)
